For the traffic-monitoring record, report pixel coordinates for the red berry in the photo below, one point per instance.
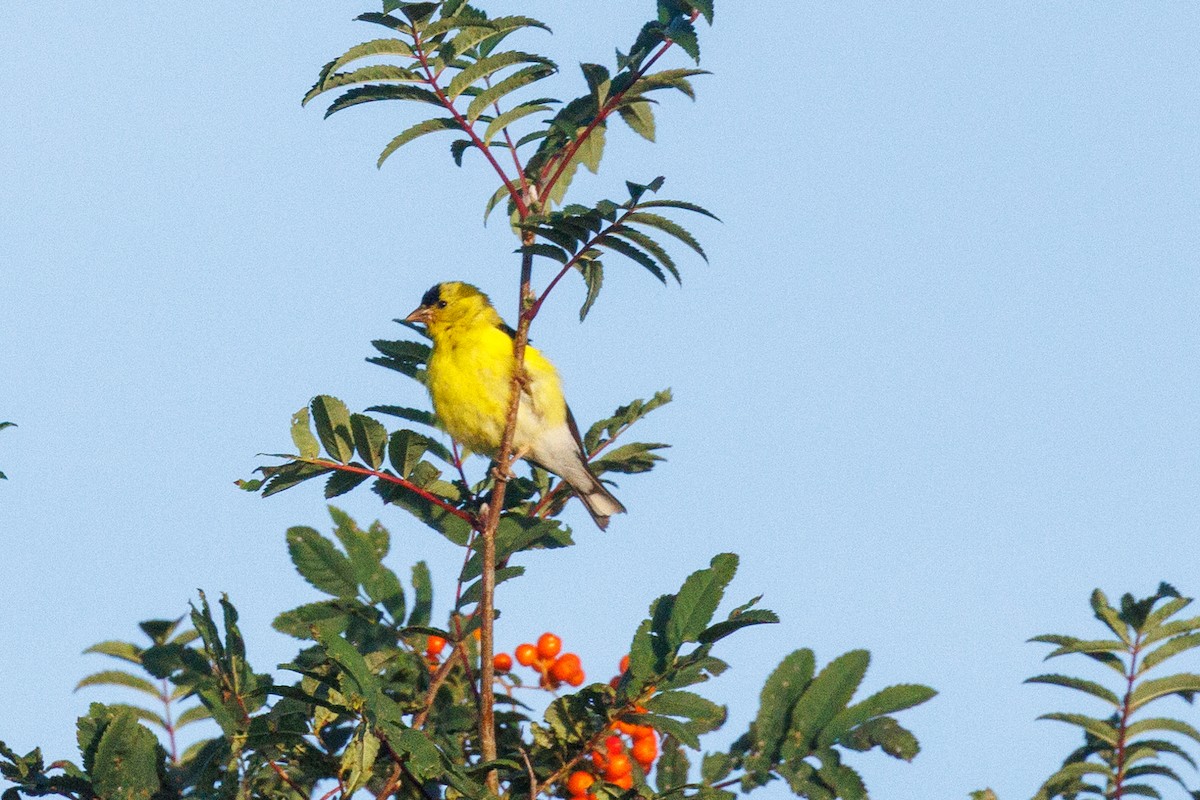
(503, 662)
(580, 782)
(565, 666)
(526, 655)
(435, 645)
(548, 646)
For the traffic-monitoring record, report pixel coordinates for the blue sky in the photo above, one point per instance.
(938, 382)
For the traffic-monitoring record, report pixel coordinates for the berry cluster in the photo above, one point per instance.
(554, 666)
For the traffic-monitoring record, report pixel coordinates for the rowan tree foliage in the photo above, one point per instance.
(384, 699)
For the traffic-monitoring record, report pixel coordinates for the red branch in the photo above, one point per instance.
(1123, 726)
(467, 127)
(388, 477)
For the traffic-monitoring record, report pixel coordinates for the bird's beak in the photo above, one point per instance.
(421, 315)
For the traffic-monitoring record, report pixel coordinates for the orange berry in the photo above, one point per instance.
(435, 645)
(645, 750)
(502, 662)
(624, 665)
(624, 727)
(624, 781)
(642, 732)
(619, 766)
(526, 655)
(614, 744)
(565, 666)
(580, 782)
(577, 678)
(548, 646)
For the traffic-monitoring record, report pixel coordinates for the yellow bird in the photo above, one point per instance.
(469, 377)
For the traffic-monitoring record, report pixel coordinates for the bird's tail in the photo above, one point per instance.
(598, 500)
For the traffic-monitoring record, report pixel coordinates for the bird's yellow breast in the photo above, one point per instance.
(470, 378)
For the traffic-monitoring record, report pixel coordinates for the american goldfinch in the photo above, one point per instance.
(469, 377)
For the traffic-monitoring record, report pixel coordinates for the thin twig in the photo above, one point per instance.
(388, 477)
(533, 784)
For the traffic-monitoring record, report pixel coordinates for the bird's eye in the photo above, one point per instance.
(441, 304)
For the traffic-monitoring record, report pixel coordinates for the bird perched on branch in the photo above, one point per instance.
(470, 374)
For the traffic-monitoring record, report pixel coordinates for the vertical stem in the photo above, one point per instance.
(487, 605)
(166, 701)
(1123, 725)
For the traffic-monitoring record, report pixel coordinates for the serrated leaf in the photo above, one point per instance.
(593, 278)
(410, 414)
(1096, 727)
(306, 444)
(486, 67)
(707, 714)
(828, 694)
(358, 761)
(422, 128)
(1167, 649)
(666, 725)
(332, 420)
(672, 765)
(511, 83)
(422, 583)
(1184, 684)
(783, 688)
(319, 563)
(1163, 724)
(341, 482)
(299, 621)
(886, 701)
(126, 763)
(506, 119)
(122, 650)
(639, 116)
(757, 616)
(374, 92)
(1109, 616)
(698, 599)
(370, 439)
(1088, 687)
(669, 227)
(116, 677)
(362, 75)
(375, 47)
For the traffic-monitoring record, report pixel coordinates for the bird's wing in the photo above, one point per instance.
(575, 433)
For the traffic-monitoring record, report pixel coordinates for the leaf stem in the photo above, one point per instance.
(1123, 725)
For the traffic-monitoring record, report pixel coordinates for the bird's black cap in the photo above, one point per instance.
(431, 297)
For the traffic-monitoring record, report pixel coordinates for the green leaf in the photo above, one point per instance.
(370, 439)
(373, 92)
(299, 621)
(698, 599)
(1103, 650)
(422, 583)
(122, 650)
(1163, 724)
(591, 148)
(410, 414)
(370, 74)
(652, 247)
(127, 760)
(783, 688)
(486, 67)
(415, 132)
(706, 714)
(640, 117)
(375, 47)
(520, 78)
(1184, 684)
(886, 701)
(358, 761)
(716, 767)
(506, 119)
(1088, 687)
(1096, 727)
(119, 678)
(341, 482)
(1169, 648)
(319, 563)
(886, 734)
(632, 253)
(757, 616)
(193, 714)
(828, 694)
(669, 227)
(593, 277)
(672, 765)
(666, 725)
(306, 443)
(332, 419)
(1109, 616)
